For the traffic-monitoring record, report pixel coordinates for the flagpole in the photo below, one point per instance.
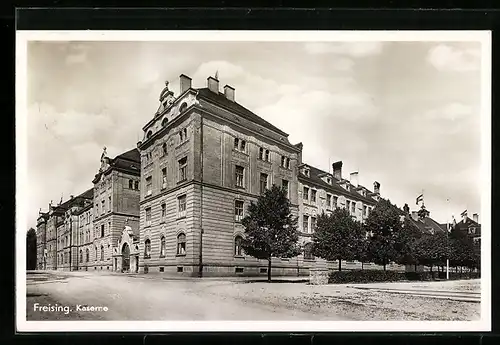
(448, 236)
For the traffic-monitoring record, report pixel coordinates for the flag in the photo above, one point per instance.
(464, 213)
(420, 198)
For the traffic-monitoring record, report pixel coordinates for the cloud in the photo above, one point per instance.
(352, 49)
(451, 111)
(73, 59)
(448, 58)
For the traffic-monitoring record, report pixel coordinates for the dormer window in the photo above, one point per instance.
(164, 122)
(307, 172)
(329, 180)
(149, 134)
(183, 107)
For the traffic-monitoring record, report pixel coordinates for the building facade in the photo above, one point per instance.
(175, 203)
(41, 240)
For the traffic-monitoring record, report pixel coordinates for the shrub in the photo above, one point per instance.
(364, 276)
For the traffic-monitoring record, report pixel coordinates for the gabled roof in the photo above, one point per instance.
(221, 100)
(130, 160)
(315, 178)
(468, 223)
(428, 224)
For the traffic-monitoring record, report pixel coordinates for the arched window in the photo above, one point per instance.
(102, 253)
(81, 255)
(164, 149)
(308, 255)
(162, 246)
(147, 249)
(164, 122)
(183, 107)
(181, 244)
(149, 134)
(87, 255)
(96, 254)
(237, 246)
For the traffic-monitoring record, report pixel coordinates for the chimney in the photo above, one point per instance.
(300, 146)
(475, 217)
(376, 187)
(353, 178)
(229, 92)
(185, 83)
(337, 170)
(213, 84)
(414, 215)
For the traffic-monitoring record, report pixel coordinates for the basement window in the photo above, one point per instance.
(180, 269)
(263, 270)
(239, 269)
(162, 269)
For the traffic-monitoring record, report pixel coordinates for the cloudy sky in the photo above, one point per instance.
(403, 113)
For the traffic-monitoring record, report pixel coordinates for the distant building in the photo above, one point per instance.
(472, 228)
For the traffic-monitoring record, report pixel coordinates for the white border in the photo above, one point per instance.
(22, 38)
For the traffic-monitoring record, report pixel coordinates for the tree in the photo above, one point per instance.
(337, 237)
(31, 249)
(270, 228)
(383, 223)
(432, 250)
(405, 243)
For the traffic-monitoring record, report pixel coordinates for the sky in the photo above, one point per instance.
(405, 114)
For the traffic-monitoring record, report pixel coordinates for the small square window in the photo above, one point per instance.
(162, 269)
(180, 269)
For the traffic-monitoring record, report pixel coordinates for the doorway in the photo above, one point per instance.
(125, 258)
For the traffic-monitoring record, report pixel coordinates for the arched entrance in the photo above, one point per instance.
(125, 257)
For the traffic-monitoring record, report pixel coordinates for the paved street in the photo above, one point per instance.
(155, 297)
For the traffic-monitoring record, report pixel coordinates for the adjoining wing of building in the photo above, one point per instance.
(175, 203)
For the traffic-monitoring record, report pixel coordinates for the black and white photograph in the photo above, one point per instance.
(229, 180)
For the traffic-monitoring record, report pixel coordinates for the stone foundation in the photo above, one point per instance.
(318, 276)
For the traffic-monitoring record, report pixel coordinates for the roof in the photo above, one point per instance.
(468, 223)
(131, 155)
(427, 224)
(235, 107)
(88, 194)
(314, 177)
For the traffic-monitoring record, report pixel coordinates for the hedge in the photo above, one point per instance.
(364, 276)
(374, 276)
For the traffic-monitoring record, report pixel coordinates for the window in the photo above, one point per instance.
(308, 254)
(102, 253)
(237, 246)
(181, 200)
(347, 205)
(239, 173)
(109, 227)
(335, 201)
(87, 255)
(284, 185)
(164, 149)
(267, 156)
(313, 195)
(329, 180)
(136, 185)
(147, 249)
(183, 169)
(263, 183)
(353, 207)
(162, 247)
(328, 201)
(306, 172)
(164, 122)
(183, 107)
(130, 184)
(285, 162)
(183, 135)
(365, 210)
(181, 244)
(238, 210)
(109, 204)
(163, 211)
(239, 145)
(148, 216)
(102, 230)
(305, 194)
(313, 224)
(163, 178)
(261, 153)
(103, 207)
(149, 134)
(149, 185)
(305, 223)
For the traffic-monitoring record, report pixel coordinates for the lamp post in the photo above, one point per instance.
(448, 228)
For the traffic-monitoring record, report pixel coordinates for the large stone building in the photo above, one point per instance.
(175, 203)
